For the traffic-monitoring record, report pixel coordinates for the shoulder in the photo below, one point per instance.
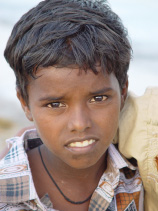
(9, 145)
(121, 184)
(138, 138)
(16, 184)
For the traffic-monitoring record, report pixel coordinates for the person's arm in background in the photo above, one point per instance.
(4, 149)
(20, 132)
(138, 138)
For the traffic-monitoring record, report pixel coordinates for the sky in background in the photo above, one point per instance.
(139, 16)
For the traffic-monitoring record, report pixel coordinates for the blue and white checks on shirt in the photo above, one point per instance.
(119, 189)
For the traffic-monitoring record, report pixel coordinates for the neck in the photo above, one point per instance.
(63, 171)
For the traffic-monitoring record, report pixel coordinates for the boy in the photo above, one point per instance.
(70, 59)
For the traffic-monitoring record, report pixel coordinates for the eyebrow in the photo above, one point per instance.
(51, 98)
(101, 91)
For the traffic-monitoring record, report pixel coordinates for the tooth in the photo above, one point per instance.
(72, 144)
(85, 143)
(82, 144)
(91, 141)
(78, 144)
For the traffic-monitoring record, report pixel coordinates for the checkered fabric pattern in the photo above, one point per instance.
(119, 189)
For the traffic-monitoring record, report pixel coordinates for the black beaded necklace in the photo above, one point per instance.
(66, 198)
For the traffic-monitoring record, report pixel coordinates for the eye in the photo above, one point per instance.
(56, 105)
(98, 98)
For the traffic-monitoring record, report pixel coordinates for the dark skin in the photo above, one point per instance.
(67, 109)
(76, 187)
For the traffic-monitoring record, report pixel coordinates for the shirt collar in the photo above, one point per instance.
(16, 179)
(104, 193)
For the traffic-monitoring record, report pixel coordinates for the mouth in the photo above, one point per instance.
(81, 145)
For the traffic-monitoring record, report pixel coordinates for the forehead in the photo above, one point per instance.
(67, 80)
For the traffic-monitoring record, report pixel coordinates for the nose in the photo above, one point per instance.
(79, 119)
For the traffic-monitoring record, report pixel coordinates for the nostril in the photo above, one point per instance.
(78, 126)
(79, 120)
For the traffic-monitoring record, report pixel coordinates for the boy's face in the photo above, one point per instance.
(76, 115)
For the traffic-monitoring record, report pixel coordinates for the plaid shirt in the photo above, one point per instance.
(119, 189)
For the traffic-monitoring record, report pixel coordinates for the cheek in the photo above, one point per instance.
(49, 134)
(44, 125)
(49, 128)
(109, 120)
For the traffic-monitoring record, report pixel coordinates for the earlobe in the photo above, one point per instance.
(24, 105)
(124, 93)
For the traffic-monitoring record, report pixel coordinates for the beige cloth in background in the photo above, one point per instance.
(138, 138)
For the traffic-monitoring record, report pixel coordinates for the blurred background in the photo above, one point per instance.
(139, 16)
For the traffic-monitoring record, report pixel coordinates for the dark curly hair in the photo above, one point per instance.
(68, 32)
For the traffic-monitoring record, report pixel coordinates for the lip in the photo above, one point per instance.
(80, 139)
(81, 150)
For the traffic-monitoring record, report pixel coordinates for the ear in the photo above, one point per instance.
(24, 105)
(124, 93)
